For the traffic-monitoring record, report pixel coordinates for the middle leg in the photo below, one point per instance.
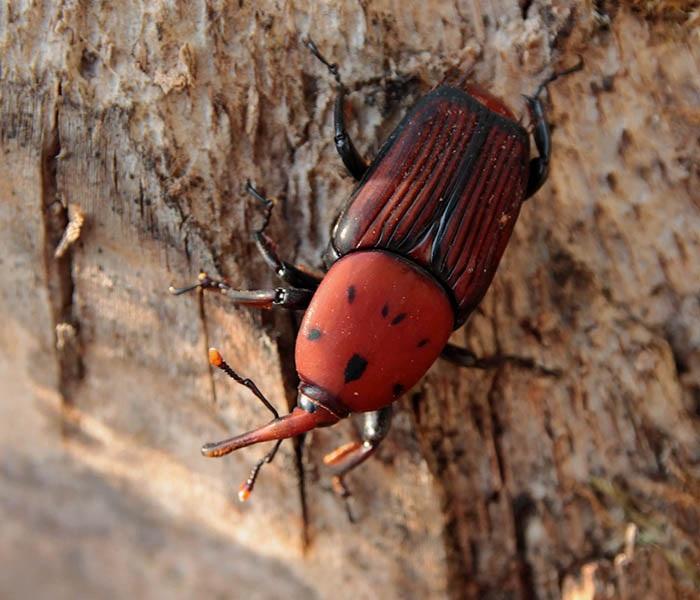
(351, 455)
(288, 272)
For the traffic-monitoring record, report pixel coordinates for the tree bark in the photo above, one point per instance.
(136, 125)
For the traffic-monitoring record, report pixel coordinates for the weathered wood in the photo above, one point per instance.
(147, 119)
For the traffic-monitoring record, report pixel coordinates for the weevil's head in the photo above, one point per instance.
(307, 415)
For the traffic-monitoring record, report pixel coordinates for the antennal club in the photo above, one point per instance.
(246, 488)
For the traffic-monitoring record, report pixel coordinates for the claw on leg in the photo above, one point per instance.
(203, 281)
(342, 491)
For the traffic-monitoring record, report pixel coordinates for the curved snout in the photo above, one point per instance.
(295, 423)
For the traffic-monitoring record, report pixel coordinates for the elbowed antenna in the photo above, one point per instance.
(295, 423)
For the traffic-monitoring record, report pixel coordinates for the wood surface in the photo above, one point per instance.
(143, 120)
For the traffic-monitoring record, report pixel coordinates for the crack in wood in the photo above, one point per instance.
(285, 351)
(496, 428)
(462, 552)
(205, 332)
(522, 506)
(59, 270)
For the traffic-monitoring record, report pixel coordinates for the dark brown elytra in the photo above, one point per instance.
(435, 209)
(445, 191)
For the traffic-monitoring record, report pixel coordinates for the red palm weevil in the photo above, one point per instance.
(411, 255)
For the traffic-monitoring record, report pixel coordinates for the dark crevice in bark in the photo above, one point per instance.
(287, 323)
(523, 507)
(59, 270)
(460, 576)
(435, 446)
(463, 579)
(301, 478)
(496, 428)
(205, 333)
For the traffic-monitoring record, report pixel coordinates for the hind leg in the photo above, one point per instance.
(539, 166)
(351, 158)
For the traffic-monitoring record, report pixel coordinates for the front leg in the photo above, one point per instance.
(466, 358)
(351, 455)
(292, 298)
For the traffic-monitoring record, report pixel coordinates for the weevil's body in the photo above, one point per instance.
(411, 255)
(439, 201)
(444, 192)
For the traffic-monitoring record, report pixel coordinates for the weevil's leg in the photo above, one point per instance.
(349, 456)
(288, 272)
(354, 163)
(539, 166)
(292, 298)
(247, 486)
(466, 358)
(352, 160)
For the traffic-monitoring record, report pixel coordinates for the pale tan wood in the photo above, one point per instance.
(147, 119)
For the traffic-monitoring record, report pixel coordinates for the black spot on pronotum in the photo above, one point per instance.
(398, 389)
(423, 342)
(385, 310)
(398, 318)
(313, 335)
(351, 294)
(355, 368)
